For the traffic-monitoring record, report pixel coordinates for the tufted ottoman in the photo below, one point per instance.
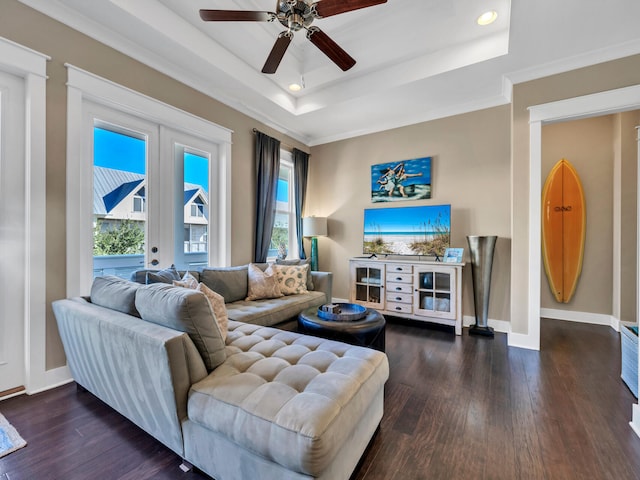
(287, 405)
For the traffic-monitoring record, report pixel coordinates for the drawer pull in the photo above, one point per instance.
(398, 298)
(398, 308)
(398, 269)
(398, 289)
(398, 279)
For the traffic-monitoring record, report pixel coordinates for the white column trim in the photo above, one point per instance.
(32, 67)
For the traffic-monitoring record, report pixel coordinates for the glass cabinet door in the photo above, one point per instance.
(368, 288)
(434, 290)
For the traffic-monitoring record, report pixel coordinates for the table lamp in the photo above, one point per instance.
(314, 227)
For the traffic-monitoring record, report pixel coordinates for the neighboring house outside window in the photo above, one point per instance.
(119, 197)
(196, 219)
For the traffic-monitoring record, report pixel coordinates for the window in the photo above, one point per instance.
(119, 210)
(197, 211)
(195, 222)
(138, 204)
(283, 236)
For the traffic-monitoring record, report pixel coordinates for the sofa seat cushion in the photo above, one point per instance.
(293, 399)
(270, 311)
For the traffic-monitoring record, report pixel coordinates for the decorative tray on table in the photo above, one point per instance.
(342, 312)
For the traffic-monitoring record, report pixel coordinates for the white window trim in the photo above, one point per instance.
(83, 87)
(286, 159)
(32, 67)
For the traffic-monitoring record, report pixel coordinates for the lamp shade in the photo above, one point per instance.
(314, 226)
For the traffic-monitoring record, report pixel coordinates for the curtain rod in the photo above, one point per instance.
(289, 147)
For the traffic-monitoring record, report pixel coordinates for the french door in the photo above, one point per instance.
(151, 194)
(12, 233)
(165, 196)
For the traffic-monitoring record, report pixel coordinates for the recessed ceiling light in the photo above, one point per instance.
(487, 18)
(295, 87)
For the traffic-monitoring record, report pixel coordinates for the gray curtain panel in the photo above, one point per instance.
(300, 171)
(267, 167)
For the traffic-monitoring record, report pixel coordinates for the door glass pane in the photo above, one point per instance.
(195, 210)
(119, 201)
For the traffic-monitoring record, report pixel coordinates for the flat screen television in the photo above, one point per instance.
(423, 230)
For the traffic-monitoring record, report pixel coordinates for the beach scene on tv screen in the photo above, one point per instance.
(423, 230)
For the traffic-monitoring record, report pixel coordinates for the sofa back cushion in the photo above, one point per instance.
(187, 311)
(230, 282)
(115, 293)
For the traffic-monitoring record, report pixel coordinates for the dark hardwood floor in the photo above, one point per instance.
(455, 408)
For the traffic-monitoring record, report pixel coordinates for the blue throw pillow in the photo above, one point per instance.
(168, 275)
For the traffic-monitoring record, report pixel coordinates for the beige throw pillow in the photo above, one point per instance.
(262, 284)
(298, 261)
(292, 279)
(219, 309)
(188, 281)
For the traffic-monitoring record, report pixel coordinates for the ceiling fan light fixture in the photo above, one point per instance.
(487, 18)
(297, 86)
(296, 15)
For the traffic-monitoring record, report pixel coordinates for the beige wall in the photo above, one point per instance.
(470, 171)
(598, 78)
(64, 45)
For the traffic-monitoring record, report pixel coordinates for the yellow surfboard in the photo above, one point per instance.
(563, 229)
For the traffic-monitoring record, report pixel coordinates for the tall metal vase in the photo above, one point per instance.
(481, 249)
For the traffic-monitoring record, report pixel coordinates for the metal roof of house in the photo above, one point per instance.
(111, 186)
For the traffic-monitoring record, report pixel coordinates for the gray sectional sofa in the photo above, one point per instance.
(262, 403)
(232, 284)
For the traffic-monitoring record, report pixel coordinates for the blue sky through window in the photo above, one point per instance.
(282, 193)
(123, 152)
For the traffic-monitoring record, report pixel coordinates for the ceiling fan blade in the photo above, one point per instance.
(235, 16)
(277, 52)
(327, 8)
(330, 48)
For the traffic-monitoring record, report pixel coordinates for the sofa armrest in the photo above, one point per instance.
(142, 370)
(323, 282)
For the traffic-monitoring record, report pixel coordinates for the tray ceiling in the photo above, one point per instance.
(416, 59)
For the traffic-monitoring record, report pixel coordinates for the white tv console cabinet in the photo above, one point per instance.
(419, 290)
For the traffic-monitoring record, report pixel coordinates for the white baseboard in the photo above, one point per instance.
(523, 340)
(53, 378)
(581, 317)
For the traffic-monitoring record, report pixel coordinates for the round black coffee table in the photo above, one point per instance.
(366, 332)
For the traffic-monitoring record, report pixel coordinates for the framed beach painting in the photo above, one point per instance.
(404, 180)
